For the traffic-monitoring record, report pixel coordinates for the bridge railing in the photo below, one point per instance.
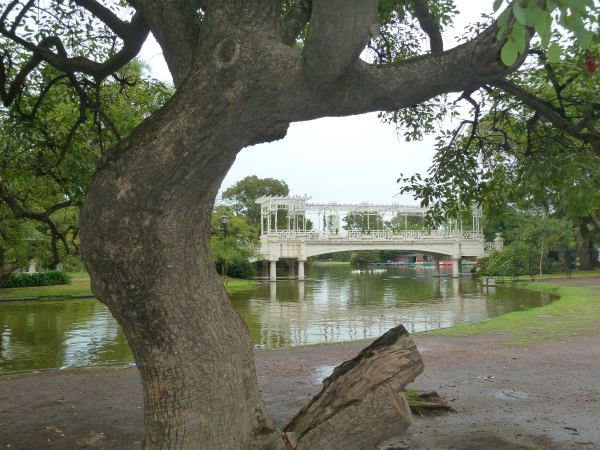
(378, 235)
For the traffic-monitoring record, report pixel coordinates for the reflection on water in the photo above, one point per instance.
(336, 304)
(333, 304)
(56, 334)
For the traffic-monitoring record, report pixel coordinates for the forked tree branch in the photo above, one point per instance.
(294, 21)
(339, 31)
(176, 27)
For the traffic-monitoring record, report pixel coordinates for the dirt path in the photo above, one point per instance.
(544, 397)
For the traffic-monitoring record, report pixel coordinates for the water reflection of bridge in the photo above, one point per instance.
(327, 314)
(293, 229)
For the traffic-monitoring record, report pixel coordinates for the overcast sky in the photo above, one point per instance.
(352, 159)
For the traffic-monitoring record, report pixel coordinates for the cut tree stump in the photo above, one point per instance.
(362, 403)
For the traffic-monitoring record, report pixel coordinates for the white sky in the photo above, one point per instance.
(352, 159)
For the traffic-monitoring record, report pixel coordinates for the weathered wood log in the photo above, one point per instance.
(362, 403)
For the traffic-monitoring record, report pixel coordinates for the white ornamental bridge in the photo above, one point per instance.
(293, 229)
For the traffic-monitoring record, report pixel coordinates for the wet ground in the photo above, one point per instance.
(544, 397)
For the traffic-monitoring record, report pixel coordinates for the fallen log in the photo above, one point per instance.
(362, 403)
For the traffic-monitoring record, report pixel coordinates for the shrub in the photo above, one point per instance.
(50, 278)
(238, 269)
(509, 260)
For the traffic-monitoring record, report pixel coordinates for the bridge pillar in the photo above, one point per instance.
(272, 270)
(291, 268)
(436, 266)
(498, 242)
(455, 267)
(301, 270)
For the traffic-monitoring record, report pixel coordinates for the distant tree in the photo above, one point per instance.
(545, 233)
(233, 251)
(363, 221)
(365, 257)
(400, 222)
(244, 193)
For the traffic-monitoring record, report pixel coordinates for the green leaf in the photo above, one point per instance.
(509, 53)
(502, 23)
(518, 35)
(519, 13)
(497, 4)
(554, 52)
(543, 27)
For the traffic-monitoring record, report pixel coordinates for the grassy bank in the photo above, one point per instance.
(233, 285)
(548, 276)
(80, 285)
(577, 311)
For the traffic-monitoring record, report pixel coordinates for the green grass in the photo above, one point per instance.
(414, 398)
(577, 311)
(238, 285)
(548, 276)
(80, 285)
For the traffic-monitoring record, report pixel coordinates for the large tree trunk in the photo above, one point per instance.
(145, 241)
(585, 245)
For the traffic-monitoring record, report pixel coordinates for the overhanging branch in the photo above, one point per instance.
(135, 33)
(371, 87)
(548, 111)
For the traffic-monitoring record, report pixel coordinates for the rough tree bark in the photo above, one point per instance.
(362, 403)
(145, 221)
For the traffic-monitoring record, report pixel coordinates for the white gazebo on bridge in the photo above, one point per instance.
(294, 229)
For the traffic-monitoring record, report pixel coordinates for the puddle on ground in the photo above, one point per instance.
(509, 394)
(322, 372)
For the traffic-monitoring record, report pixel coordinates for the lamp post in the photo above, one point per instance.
(224, 220)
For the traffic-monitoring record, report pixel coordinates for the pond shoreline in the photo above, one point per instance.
(507, 395)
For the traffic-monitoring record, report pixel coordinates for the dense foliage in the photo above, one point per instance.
(233, 243)
(50, 278)
(51, 147)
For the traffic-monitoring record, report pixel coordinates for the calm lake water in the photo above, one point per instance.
(334, 304)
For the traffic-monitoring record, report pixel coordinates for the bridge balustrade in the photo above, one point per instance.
(374, 235)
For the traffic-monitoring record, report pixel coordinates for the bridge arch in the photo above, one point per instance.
(424, 249)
